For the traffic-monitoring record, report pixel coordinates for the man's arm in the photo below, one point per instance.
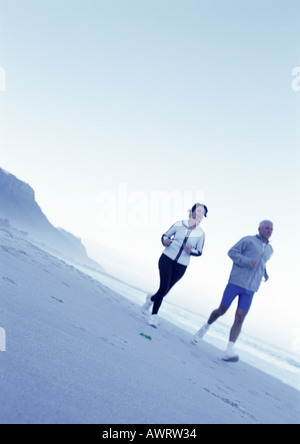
(237, 254)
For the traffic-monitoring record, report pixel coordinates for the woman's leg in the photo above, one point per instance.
(165, 273)
(170, 273)
(177, 274)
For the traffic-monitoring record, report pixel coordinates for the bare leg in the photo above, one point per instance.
(217, 313)
(237, 326)
(213, 317)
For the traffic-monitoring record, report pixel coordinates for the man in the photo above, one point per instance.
(249, 258)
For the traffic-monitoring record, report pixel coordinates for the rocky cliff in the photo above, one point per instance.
(19, 208)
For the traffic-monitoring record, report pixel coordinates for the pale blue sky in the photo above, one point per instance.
(160, 95)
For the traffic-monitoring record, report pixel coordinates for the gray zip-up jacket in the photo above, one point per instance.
(181, 235)
(242, 273)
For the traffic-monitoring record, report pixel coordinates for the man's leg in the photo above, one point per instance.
(245, 301)
(230, 355)
(236, 329)
(213, 317)
(228, 296)
(230, 293)
(216, 314)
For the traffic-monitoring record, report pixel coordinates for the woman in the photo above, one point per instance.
(183, 240)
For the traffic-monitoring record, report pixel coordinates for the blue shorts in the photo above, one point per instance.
(245, 297)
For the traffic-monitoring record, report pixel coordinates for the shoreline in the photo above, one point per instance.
(75, 355)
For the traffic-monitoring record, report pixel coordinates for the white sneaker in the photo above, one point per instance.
(230, 357)
(153, 321)
(200, 334)
(148, 304)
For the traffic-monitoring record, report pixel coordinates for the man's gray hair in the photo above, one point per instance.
(263, 222)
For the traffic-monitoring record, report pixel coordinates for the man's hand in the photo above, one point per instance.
(167, 242)
(253, 263)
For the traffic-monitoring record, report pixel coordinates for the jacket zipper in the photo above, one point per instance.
(257, 266)
(183, 245)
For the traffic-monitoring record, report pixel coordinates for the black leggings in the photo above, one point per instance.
(170, 273)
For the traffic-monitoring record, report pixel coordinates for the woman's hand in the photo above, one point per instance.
(187, 249)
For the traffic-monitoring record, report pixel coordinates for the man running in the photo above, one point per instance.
(249, 257)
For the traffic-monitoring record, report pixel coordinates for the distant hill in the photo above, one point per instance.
(19, 209)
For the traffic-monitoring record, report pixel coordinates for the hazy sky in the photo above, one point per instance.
(119, 113)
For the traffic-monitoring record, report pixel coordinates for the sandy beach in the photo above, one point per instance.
(78, 353)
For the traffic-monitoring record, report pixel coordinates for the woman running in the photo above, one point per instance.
(183, 240)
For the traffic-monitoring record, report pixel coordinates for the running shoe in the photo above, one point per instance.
(200, 334)
(153, 321)
(148, 304)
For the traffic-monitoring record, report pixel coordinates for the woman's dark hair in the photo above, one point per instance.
(199, 205)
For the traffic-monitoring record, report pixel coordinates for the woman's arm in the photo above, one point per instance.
(166, 238)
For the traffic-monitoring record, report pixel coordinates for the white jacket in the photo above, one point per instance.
(181, 235)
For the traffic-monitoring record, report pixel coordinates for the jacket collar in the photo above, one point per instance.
(260, 238)
(186, 224)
